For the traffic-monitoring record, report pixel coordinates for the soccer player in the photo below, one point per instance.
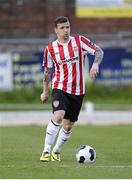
(66, 55)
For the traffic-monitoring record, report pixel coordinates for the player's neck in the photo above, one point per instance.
(63, 41)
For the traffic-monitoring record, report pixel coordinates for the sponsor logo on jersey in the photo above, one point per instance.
(71, 60)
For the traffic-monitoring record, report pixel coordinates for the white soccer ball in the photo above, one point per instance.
(85, 154)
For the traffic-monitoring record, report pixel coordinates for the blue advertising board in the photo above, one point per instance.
(116, 68)
(28, 70)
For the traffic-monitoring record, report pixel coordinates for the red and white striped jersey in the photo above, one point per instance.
(68, 62)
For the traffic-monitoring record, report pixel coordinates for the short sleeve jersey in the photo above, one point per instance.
(68, 62)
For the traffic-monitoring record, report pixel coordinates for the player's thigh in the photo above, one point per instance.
(74, 108)
(59, 100)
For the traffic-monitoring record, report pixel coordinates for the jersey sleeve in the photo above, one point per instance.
(87, 45)
(47, 59)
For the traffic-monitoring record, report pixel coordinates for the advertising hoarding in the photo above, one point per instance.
(6, 75)
(116, 67)
(103, 8)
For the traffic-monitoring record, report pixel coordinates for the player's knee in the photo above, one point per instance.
(58, 117)
(67, 127)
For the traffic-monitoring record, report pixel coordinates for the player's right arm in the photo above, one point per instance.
(48, 64)
(46, 79)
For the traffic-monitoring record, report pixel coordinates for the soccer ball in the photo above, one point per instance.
(85, 154)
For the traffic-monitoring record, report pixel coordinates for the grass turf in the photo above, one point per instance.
(21, 147)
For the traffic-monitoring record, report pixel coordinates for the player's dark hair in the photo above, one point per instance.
(60, 19)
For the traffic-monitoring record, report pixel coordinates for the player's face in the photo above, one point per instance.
(63, 31)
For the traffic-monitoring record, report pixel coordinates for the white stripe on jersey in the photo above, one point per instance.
(49, 62)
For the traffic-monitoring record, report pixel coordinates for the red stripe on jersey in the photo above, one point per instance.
(65, 69)
(45, 63)
(74, 78)
(87, 42)
(71, 53)
(80, 64)
(65, 77)
(57, 73)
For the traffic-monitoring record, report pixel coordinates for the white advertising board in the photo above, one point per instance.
(6, 74)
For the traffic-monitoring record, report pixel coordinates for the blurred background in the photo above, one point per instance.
(26, 27)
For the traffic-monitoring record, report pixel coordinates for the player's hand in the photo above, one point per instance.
(94, 70)
(44, 97)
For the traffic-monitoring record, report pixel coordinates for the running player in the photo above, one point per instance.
(66, 55)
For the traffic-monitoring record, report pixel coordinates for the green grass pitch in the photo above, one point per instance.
(21, 147)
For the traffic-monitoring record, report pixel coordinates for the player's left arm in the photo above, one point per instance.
(95, 50)
(97, 60)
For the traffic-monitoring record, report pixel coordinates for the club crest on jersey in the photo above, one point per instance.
(56, 104)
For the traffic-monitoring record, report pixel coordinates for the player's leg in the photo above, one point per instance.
(64, 135)
(71, 116)
(52, 129)
(51, 133)
(54, 124)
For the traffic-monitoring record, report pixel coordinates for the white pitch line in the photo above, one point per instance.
(77, 165)
(112, 166)
(73, 165)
